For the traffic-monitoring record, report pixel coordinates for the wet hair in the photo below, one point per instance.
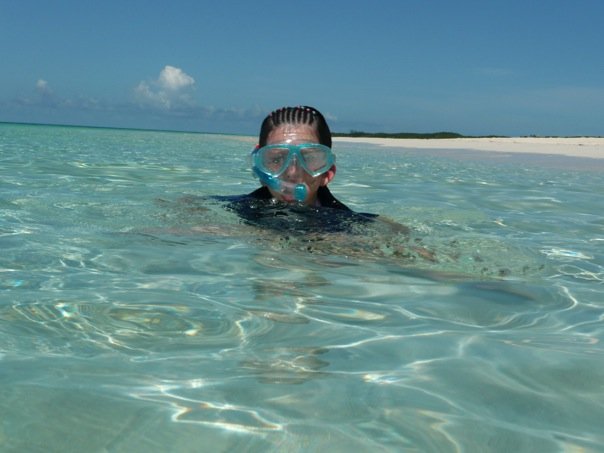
(296, 115)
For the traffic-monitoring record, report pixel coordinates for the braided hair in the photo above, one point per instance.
(296, 115)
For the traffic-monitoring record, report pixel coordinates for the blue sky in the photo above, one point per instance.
(515, 67)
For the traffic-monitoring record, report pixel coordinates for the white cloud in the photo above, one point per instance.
(168, 98)
(171, 91)
(41, 84)
(43, 88)
(172, 78)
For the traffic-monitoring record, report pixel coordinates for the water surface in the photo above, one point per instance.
(137, 314)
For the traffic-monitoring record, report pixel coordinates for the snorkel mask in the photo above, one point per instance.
(271, 161)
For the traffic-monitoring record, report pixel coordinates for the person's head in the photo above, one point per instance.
(298, 179)
(302, 115)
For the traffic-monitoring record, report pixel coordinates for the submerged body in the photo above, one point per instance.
(260, 209)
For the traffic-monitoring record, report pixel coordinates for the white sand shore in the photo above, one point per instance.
(575, 147)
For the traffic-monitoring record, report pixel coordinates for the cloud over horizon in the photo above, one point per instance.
(173, 90)
(43, 88)
(167, 101)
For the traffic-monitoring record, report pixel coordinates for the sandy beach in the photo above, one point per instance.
(589, 147)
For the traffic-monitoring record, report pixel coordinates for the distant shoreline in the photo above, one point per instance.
(589, 147)
(445, 135)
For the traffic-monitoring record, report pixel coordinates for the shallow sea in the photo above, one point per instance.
(136, 314)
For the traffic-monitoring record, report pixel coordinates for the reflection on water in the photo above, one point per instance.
(135, 319)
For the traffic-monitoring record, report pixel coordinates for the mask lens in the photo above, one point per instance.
(273, 159)
(316, 159)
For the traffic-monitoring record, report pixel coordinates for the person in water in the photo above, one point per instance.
(293, 159)
(294, 163)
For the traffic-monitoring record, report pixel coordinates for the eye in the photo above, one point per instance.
(275, 158)
(314, 157)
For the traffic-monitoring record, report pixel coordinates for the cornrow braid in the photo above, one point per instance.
(296, 115)
(293, 115)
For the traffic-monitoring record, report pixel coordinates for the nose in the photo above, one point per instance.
(293, 169)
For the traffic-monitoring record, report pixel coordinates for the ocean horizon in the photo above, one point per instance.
(336, 133)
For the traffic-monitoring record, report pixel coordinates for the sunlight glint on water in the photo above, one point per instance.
(137, 316)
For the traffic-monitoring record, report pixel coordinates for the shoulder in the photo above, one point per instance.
(261, 193)
(329, 201)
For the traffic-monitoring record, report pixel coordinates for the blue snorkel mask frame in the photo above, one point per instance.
(317, 160)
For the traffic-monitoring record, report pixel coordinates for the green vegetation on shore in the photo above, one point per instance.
(430, 135)
(404, 135)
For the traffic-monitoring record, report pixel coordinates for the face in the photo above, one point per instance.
(296, 134)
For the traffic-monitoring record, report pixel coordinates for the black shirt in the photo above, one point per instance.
(260, 209)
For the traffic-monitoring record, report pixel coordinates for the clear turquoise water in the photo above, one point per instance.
(135, 317)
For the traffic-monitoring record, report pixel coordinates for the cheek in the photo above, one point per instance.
(315, 182)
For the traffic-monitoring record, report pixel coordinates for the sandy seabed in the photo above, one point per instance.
(589, 147)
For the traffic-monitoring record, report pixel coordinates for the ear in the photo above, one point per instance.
(328, 175)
